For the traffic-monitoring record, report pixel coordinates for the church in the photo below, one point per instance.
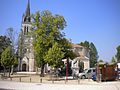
(26, 53)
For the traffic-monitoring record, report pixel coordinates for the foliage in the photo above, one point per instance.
(67, 49)
(7, 58)
(47, 29)
(113, 60)
(11, 35)
(100, 60)
(20, 51)
(54, 56)
(4, 43)
(47, 36)
(118, 54)
(85, 44)
(93, 54)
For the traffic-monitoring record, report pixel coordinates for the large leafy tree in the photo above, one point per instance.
(118, 53)
(4, 43)
(47, 31)
(7, 59)
(92, 52)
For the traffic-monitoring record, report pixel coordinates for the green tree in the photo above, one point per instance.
(54, 56)
(93, 54)
(118, 54)
(68, 54)
(11, 34)
(85, 44)
(113, 60)
(47, 31)
(101, 60)
(4, 43)
(67, 48)
(7, 59)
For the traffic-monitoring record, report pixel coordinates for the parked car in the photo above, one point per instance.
(87, 73)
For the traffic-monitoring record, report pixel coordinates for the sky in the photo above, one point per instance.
(96, 21)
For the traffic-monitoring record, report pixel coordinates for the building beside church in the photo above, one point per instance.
(81, 59)
(26, 53)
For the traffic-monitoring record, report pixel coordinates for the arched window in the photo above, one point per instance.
(81, 49)
(81, 66)
(25, 30)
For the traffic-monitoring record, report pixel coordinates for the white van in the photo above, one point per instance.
(87, 73)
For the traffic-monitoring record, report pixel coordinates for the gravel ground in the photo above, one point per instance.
(11, 85)
(47, 84)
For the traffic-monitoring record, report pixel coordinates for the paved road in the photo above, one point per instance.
(7, 85)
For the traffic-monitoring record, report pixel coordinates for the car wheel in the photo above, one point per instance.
(83, 77)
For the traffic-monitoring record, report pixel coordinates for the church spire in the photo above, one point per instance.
(28, 9)
(26, 16)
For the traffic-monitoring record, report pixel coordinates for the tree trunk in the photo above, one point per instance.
(9, 71)
(4, 71)
(12, 67)
(42, 70)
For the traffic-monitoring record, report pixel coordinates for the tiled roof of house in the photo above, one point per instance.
(76, 46)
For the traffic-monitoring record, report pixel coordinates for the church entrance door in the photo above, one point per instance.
(24, 67)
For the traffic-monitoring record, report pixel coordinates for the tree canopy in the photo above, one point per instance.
(118, 53)
(113, 60)
(101, 60)
(4, 43)
(7, 57)
(49, 40)
(93, 54)
(54, 56)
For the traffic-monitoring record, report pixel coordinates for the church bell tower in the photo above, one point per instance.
(26, 53)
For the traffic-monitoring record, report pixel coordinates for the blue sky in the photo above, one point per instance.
(96, 21)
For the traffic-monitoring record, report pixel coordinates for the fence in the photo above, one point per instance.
(50, 80)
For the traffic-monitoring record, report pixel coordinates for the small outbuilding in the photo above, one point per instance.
(106, 71)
